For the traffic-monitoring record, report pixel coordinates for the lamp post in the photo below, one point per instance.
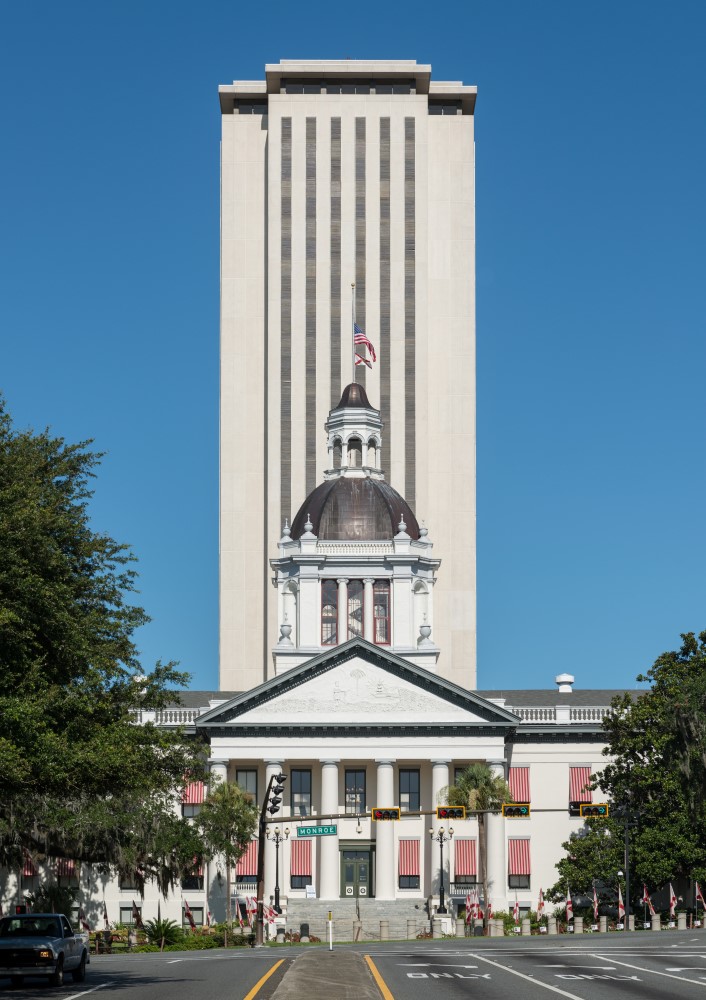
(441, 837)
(277, 837)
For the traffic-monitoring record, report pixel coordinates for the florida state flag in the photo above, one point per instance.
(569, 905)
(621, 905)
(516, 910)
(672, 901)
(595, 904)
(189, 916)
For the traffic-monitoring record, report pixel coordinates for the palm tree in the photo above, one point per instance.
(480, 790)
(227, 821)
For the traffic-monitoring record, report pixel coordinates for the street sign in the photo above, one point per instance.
(317, 831)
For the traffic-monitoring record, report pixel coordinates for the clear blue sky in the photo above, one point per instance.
(591, 167)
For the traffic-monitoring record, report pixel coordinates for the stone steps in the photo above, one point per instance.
(372, 911)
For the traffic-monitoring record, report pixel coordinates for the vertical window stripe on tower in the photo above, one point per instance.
(310, 301)
(385, 276)
(410, 406)
(360, 234)
(335, 252)
(286, 321)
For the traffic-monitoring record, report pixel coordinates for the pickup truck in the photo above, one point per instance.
(41, 944)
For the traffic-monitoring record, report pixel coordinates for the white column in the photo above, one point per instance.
(274, 767)
(329, 885)
(368, 606)
(495, 829)
(439, 780)
(342, 609)
(385, 866)
(218, 771)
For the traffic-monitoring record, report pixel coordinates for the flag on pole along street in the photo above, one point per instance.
(490, 910)
(250, 908)
(672, 901)
(105, 917)
(468, 907)
(540, 904)
(209, 915)
(595, 904)
(360, 338)
(621, 905)
(699, 895)
(569, 905)
(516, 910)
(189, 916)
(82, 920)
(136, 915)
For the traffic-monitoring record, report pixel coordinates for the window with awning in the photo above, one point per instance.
(465, 865)
(192, 799)
(300, 863)
(579, 790)
(408, 864)
(246, 868)
(518, 863)
(518, 780)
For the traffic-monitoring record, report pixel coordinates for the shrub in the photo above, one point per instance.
(167, 931)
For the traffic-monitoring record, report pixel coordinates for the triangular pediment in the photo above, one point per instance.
(357, 684)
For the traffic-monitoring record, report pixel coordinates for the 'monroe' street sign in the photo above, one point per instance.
(316, 831)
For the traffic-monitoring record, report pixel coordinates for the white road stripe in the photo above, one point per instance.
(651, 972)
(93, 989)
(530, 979)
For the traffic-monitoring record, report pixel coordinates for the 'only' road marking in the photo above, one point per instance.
(529, 979)
(651, 972)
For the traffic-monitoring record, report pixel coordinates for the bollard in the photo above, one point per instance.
(385, 930)
(499, 926)
(492, 928)
(304, 933)
(280, 933)
(631, 922)
(551, 925)
(460, 928)
(578, 925)
(681, 921)
(656, 922)
(526, 927)
(411, 929)
(603, 924)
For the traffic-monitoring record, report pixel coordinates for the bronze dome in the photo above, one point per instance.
(352, 509)
(354, 395)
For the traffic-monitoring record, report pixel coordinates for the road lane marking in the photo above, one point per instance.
(529, 979)
(597, 968)
(84, 992)
(261, 982)
(651, 972)
(381, 984)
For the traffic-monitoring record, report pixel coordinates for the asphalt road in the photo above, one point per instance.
(671, 966)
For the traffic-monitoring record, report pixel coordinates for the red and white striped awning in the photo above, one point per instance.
(518, 856)
(465, 859)
(409, 857)
(300, 860)
(193, 794)
(247, 863)
(579, 779)
(519, 783)
(28, 869)
(65, 868)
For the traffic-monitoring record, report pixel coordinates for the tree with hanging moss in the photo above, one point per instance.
(478, 788)
(78, 778)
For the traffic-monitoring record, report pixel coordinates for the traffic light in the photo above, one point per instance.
(516, 810)
(379, 815)
(591, 809)
(450, 812)
(20, 908)
(275, 796)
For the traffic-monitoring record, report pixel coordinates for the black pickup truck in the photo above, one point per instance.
(42, 944)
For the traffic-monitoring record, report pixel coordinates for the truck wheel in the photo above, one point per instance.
(57, 977)
(17, 980)
(80, 973)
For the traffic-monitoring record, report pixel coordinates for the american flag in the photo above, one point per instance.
(360, 338)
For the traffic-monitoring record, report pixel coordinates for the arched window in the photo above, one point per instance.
(355, 453)
(372, 454)
(337, 453)
(381, 612)
(355, 608)
(329, 613)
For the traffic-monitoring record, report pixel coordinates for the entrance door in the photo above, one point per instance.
(355, 873)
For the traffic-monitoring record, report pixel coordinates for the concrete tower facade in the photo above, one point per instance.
(337, 174)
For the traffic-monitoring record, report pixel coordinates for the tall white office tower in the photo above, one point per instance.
(337, 174)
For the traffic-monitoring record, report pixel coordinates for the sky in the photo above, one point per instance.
(591, 224)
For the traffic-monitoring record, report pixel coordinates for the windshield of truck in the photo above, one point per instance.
(29, 926)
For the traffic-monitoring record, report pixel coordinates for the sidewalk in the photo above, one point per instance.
(328, 975)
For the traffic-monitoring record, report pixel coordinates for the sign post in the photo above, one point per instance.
(330, 930)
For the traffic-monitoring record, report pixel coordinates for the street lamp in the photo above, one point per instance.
(277, 837)
(441, 837)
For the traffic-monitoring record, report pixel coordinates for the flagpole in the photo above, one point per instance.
(353, 330)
